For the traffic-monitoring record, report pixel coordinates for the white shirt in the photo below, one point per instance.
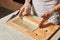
(43, 5)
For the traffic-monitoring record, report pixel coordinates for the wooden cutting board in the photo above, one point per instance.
(30, 28)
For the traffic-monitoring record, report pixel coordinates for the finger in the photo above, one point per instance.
(41, 22)
(21, 12)
(25, 12)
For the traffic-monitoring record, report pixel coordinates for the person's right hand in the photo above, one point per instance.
(25, 9)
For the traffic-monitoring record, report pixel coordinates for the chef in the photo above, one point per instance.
(42, 8)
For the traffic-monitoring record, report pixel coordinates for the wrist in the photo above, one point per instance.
(27, 4)
(27, 1)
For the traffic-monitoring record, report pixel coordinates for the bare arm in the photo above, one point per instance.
(24, 8)
(50, 12)
(56, 8)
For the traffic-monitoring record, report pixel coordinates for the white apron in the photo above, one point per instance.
(43, 5)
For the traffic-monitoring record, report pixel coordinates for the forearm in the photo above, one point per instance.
(56, 8)
(51, 12)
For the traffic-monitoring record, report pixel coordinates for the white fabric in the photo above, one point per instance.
(43, 5)
(8, 32)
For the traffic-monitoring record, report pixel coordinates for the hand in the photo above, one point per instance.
(44, 23)
(47, 14)
(25, 9)
(45, 17)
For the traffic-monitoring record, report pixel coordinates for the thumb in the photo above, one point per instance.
(21, 12)
(25, 12)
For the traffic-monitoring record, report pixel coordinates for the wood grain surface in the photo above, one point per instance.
(27, 28)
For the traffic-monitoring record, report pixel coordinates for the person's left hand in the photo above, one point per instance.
(47, 14)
